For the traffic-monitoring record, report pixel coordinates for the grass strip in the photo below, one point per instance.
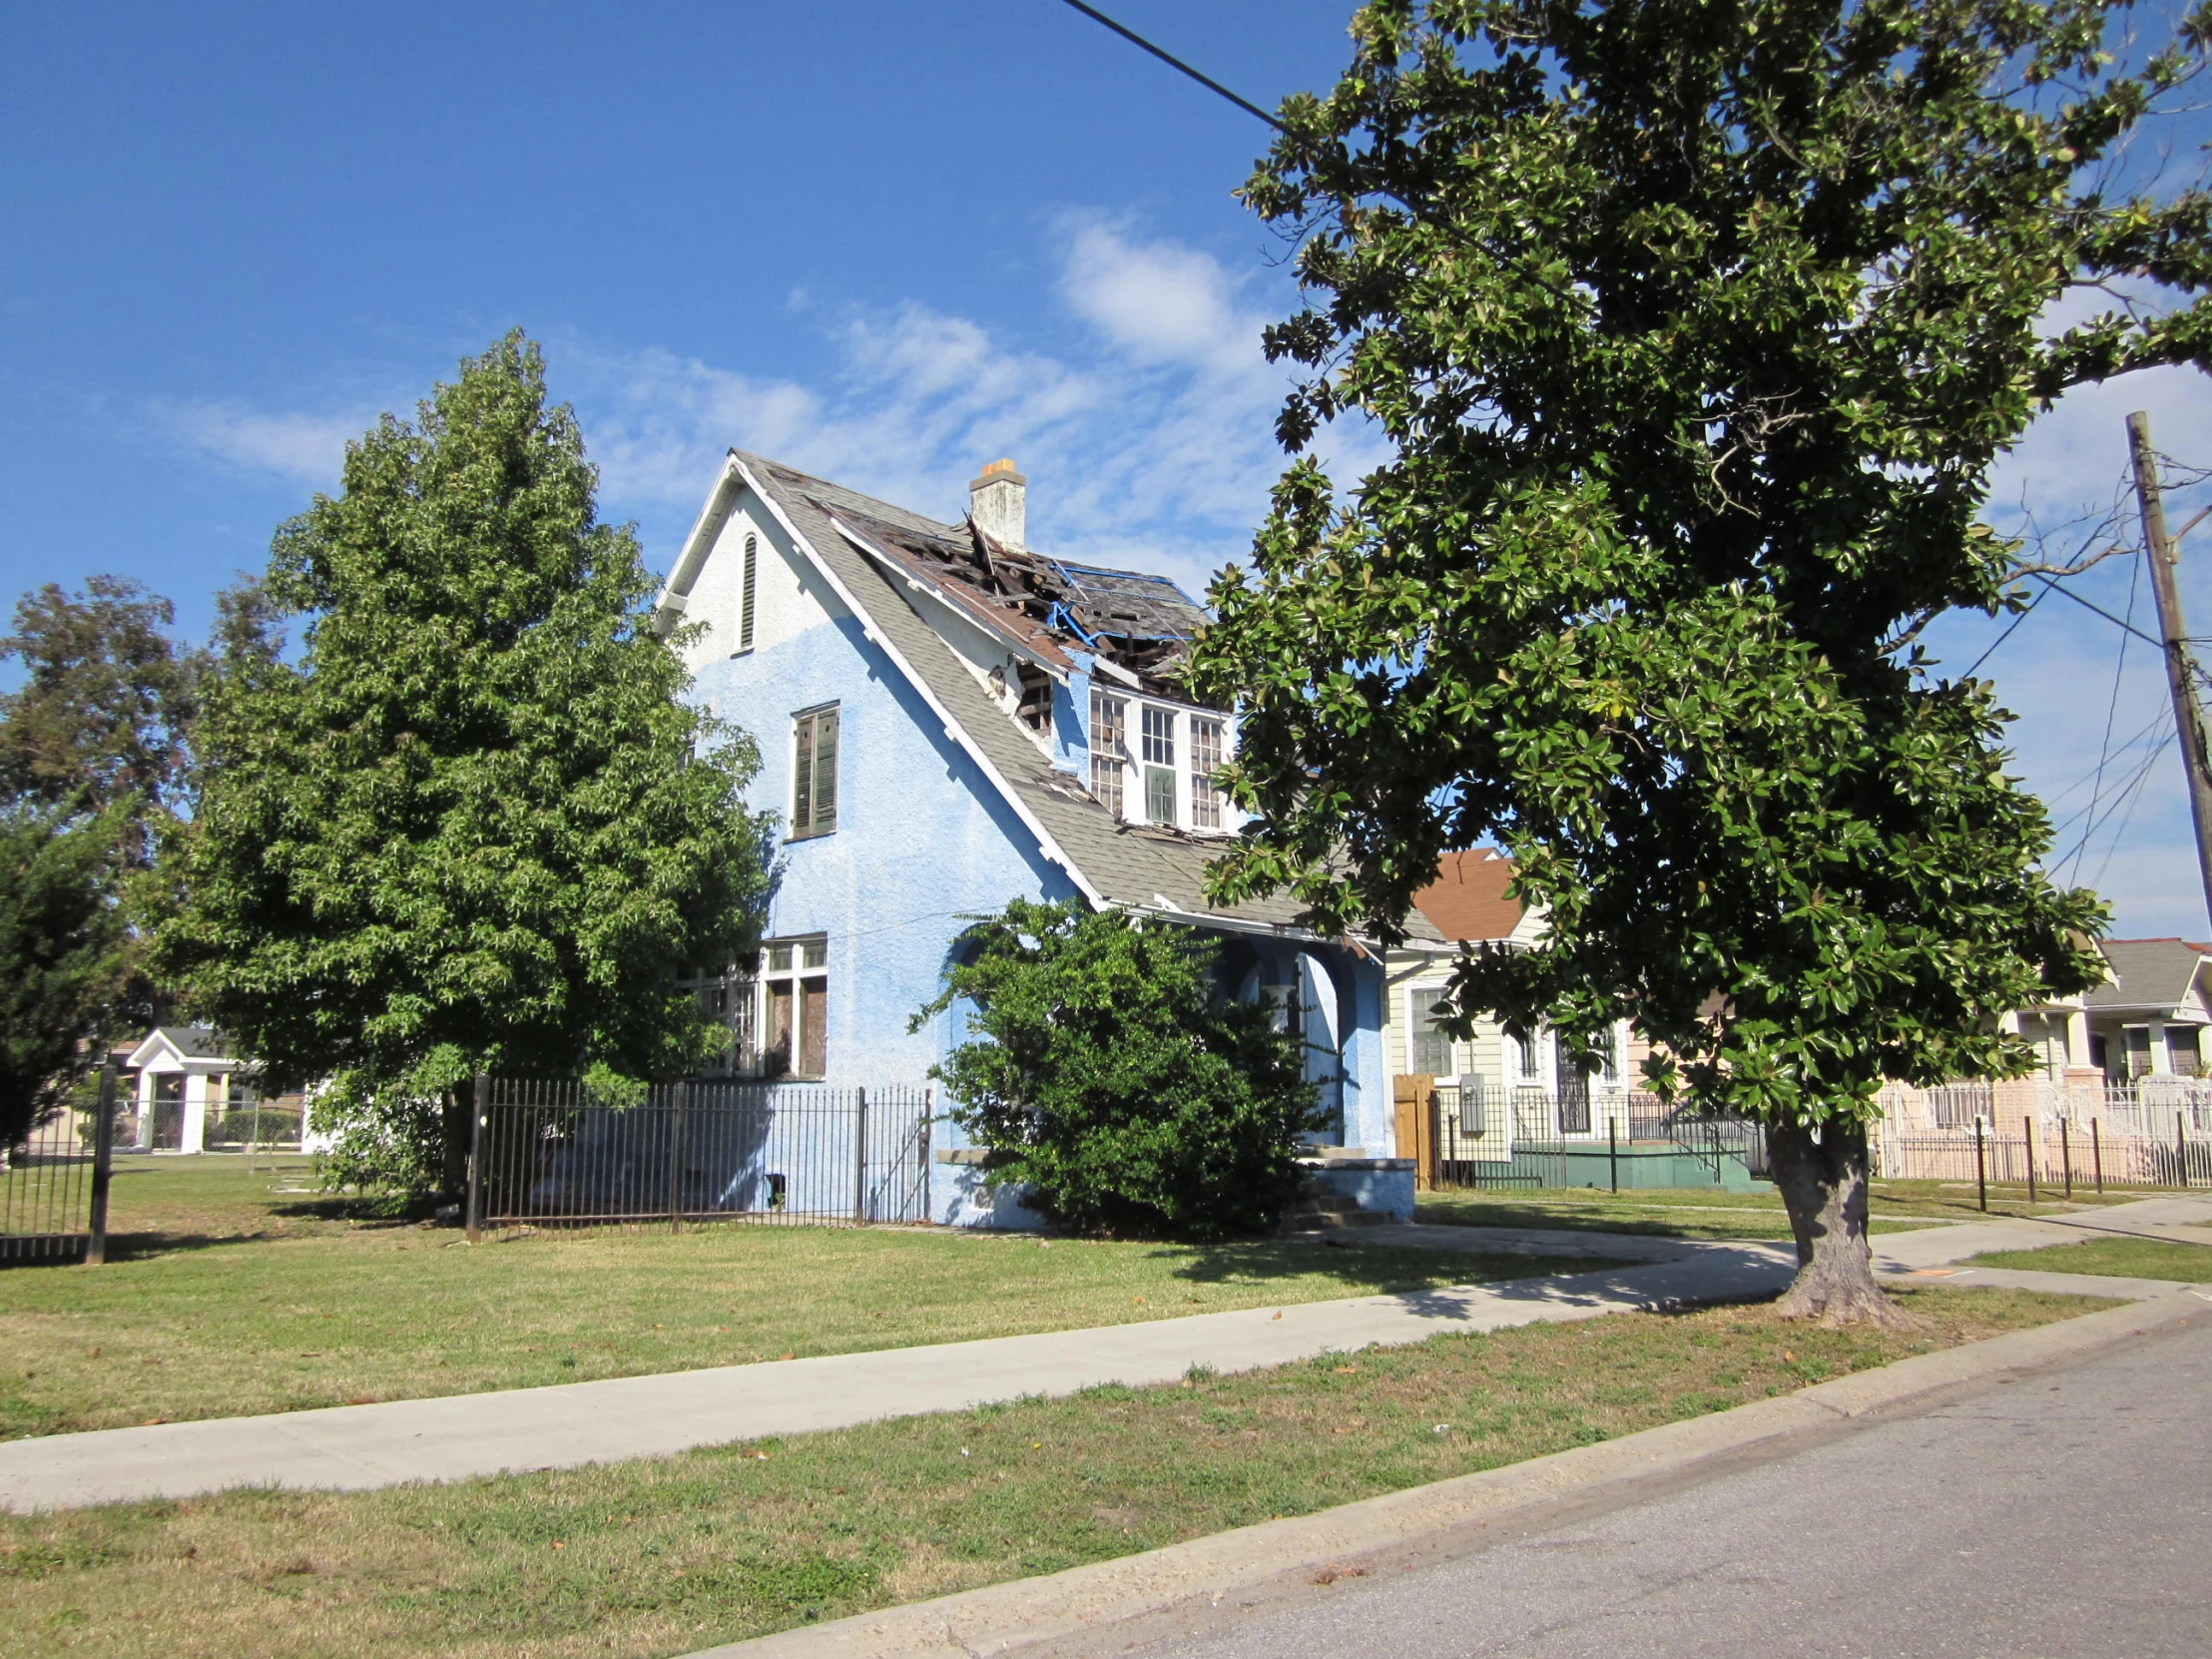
(666, 1555)
(1689, 1212)
(228, 1294)
(2119, 1257)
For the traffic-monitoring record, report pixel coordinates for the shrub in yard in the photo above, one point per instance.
(1114, 1080)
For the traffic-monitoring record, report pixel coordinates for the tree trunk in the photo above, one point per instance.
(1824, 1186)
(454, 1121)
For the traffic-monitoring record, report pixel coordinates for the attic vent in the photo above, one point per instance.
(1035, 707)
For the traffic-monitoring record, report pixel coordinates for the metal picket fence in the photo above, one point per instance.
(1478, 1135)
(553, 1155)
(54, 1186)
(2051, 1158)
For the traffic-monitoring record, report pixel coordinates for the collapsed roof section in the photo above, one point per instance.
(1041, 606)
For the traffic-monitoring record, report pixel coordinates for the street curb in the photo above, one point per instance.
(1005, 1618)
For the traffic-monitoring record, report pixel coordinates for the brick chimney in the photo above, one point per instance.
(999, 503)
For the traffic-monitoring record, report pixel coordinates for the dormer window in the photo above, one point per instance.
(1035, 707)
(1206, 758)
(1109, 734)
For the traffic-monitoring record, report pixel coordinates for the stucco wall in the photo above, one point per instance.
(922, 839)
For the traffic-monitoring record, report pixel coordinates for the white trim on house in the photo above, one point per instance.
(1047, 844)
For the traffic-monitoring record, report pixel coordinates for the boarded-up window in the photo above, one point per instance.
(815, 773)
(1109, 735)
(775, 1053)
(813, 1027)
(1206, 758)
(795, 1008)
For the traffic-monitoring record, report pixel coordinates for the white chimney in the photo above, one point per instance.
(999, 503)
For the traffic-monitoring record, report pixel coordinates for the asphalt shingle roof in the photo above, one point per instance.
(1127, 864)
(2146, 973)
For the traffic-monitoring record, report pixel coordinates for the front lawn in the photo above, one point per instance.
(666, 1555)
(2120, 1257)
(226, 1294)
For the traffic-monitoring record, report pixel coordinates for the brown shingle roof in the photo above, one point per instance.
(1467, 900)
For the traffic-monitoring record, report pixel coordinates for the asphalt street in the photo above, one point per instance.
(2068, 1514)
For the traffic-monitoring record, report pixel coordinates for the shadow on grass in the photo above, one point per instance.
(1378, 1268)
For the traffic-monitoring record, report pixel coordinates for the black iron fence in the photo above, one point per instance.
(556, 1155)
(54, 1186)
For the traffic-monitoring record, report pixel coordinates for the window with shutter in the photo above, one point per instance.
(745, 599)
(815, 773)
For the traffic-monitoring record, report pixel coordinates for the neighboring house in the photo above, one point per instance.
(949, 720)
(190, 1094)
(2148, 1020)
(183, 1077)
(1502, 1089)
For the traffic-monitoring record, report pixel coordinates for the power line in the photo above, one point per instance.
(2085, 604)
(1174, 62)
(2007, 634)
(2111, 713)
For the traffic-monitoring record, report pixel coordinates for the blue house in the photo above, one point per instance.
(950, 719)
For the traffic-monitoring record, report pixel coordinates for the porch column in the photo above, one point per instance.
(143, 1136)
(2161, 1063)
(1366, 1080)
(195, 1136)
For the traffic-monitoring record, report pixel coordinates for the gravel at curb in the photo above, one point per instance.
(1083, 1601)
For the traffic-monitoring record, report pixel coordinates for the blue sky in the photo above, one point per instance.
(885, 240)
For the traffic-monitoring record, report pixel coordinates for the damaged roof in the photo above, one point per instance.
(1041, 606)
(881, 553)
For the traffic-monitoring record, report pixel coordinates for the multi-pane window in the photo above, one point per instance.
(745, 598)
(1159, 765)
(1206, 759)
(1109, 735)
(775, 1003)
(815, 773)
(731, 997)
(1432, 1056)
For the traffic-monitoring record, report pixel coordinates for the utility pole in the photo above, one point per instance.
(2181, 668)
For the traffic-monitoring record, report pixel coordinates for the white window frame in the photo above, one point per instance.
(742, 992)
(1418, 998)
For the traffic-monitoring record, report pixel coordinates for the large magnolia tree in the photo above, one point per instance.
(1693, 329)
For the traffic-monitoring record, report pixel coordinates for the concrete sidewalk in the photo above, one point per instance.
(360, 1446)
(458, 1436)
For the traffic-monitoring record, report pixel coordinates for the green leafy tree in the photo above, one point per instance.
(93, 765)
(65, 952)
(475, 827)
(107, 702)
(1694, 330)
(1114, 1081)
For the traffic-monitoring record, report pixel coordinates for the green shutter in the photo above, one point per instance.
(825, 771)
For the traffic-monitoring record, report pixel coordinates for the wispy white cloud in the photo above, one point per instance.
(1147, 435)
(303, 448)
